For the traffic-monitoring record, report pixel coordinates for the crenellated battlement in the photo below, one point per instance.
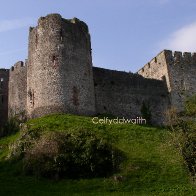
(170, 58)
(17, 66)
(50, 19)
(55, 21)
(177, 57)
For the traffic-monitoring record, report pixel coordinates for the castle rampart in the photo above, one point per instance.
(123, 94)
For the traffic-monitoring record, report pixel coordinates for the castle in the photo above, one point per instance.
(58, 77)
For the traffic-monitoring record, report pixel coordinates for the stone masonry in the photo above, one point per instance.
(4, 79)
(122, 94)
(17, 90)
(178, 71)
(59, 73)
(58, 77)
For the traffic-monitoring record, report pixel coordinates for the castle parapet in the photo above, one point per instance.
(185, 58)
(177, 57)
(17, 66)
(167, 57)
(55, 21)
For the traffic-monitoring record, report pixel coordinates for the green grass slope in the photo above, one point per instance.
(153, 165)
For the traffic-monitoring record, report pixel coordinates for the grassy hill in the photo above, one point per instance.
(153, 165)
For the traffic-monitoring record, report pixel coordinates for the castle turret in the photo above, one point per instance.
(59, 74)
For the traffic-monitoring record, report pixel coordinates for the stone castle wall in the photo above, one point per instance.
(122, 94)
(4, 78)
(177, 70)
(59, 75)
(157, 69)
(18, 90)
(59, 78)
(181, 70)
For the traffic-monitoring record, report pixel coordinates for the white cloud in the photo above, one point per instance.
(184, 39)
(7, 25)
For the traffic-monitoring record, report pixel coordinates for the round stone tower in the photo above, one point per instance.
(59, 73)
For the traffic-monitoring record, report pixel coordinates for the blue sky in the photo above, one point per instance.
(125, 34)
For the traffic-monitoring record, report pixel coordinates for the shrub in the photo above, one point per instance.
(27, 139)
(72, 155)
(182, 126)
(190, 106)
(189, 153)
(10, 127)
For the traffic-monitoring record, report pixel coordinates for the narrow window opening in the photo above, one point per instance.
(31, 96)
